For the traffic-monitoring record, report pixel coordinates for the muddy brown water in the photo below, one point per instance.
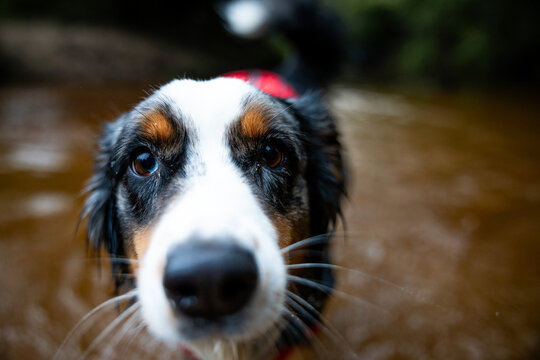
(443, 224)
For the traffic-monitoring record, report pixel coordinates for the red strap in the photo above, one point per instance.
(266, 81)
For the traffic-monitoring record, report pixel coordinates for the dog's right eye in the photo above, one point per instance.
(144, 164)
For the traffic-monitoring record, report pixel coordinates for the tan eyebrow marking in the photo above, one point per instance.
(156, 127)
(254, 123)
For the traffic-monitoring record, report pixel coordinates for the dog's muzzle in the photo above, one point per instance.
(209, 279)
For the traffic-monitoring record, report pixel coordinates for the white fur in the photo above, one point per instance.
(246, 18)
(214, 202)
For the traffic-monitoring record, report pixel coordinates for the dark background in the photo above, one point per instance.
(450, 44)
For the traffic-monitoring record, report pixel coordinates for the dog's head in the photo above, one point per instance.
(204, 182)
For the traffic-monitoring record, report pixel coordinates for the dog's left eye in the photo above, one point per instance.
(144, 164)
(271, 155)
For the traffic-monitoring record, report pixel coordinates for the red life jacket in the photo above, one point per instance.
(266, 81)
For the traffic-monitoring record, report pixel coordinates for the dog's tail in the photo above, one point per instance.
(315, 32)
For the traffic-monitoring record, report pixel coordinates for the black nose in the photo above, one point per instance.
(209, 280)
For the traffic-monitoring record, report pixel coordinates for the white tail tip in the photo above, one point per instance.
(246, 18)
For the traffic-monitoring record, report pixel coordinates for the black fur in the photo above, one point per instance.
(100, 207)
(325, 171)
(326, 180)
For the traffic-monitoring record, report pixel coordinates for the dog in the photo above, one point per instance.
(220, 190)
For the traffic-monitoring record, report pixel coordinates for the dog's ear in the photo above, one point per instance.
(100, 206)
(325, 172)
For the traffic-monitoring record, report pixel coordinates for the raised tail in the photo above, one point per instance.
(315, 33)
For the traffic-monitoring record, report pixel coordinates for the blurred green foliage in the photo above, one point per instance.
(447, 42)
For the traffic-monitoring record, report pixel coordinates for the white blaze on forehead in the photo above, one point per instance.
(215, 199)
(208, 105)
(214, 190)
(214, 203)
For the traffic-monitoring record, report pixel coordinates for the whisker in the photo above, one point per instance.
(127, 327)
(303, 311)
(267, 346)
(272, 334)
(278, 329)
(136, 331)
(151, 347)
(91, 313)
(329, 290)
(234, 350)
(314, 240)
(218, 345)
(327, 326)
(302, 328)
(291, 332)
(308, 252)
(321, 239)
(127, 313)
(372, 277)
(339, 267)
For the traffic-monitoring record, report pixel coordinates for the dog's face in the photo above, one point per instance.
(204, 182)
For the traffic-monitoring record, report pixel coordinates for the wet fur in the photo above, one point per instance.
(315, 137)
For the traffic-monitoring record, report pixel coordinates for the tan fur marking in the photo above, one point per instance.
(156, 127)
(289, 231)
(254, 122)
(141, 240)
